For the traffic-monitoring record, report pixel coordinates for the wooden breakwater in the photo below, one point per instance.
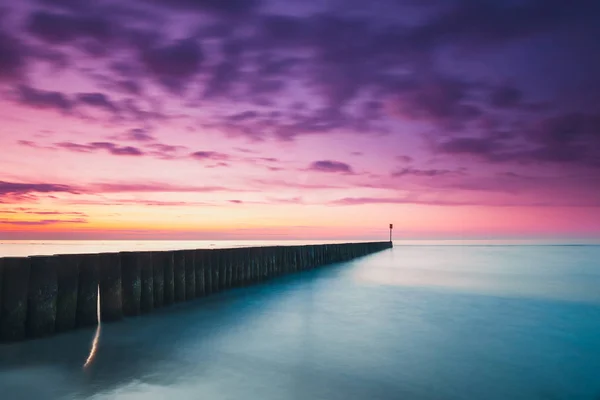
(44, 295)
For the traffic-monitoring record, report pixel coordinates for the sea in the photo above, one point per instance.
(426, 320)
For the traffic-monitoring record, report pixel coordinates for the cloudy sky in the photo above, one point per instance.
(301, 119)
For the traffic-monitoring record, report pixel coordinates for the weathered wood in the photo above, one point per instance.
(216, 270)
(67, 273)
(169, 265)
(179, 274)
(87, 297)
(42, 294)
(190, 275)
(158, 269)
(131, 283)
(15, 283)
(111, 300)
(147, 278)
(208, 264)
(199, 264)
(223, 268)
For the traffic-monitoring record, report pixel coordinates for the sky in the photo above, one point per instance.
(274, 119)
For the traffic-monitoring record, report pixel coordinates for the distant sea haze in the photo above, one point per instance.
(22, 248)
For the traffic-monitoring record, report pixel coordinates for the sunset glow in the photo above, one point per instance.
(281, 119)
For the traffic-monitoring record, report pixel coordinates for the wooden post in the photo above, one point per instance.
(41, 302)
(179, 274)
(158, 269)
(15, 283)
(111, 290)
(67, 272)
(87, 297)
(147, 280)
(199, 264)
(190, 275)
(131, 283)
(169, 265)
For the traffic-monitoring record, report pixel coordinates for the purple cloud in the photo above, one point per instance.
(152, 188)
(464, 145)
(75, 147)
(291, 200)
(246, 76)
(243, 116)
(141, 115)
(225, 75)
(218, 7)
(444, 100)
(57, 59)
(370, 53)
(354, 201)
(16, 188)
(565, 139)
(156, 150)
(209, 155)
(219, 165)
(506, 97)
(34, 145)
(138, 135)
(404, 158)
(63, 28)
(128, 86)
(117, 150)
(98, 100)
(573, 137)
(43, 99)
(138, 202)
(67, 4)
(48, 99)
(110, 147)
(274, 183)
(12, 59)
(421, 172)
(331, 166)
(44, 222)
(165, 151)
(126, 151)
(175, 63)
(493, 22)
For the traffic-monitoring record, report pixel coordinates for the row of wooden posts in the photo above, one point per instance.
(43, 295)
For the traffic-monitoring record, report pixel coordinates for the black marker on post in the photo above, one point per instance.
(391, 227)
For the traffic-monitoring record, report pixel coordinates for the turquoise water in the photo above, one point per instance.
(424, 321)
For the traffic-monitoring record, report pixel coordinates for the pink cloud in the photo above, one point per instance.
(209, 155)
(331, 166)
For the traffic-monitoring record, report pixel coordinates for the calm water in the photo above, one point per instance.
(416, 322)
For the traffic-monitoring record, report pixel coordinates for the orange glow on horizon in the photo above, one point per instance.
(417, 221)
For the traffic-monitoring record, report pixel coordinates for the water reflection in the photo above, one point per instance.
(94, 348)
